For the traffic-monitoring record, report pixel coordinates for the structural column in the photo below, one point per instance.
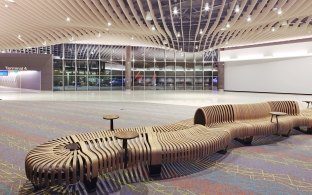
(128, 68)
(221, 76)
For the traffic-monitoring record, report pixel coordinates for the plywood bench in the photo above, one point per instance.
(83, 157)
(243, 121)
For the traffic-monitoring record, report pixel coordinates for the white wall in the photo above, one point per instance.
(283, 75)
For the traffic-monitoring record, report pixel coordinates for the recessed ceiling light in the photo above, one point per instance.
(153, 28)
(273, 29)
(99, 34)
(207, 7)
(223, 29)
(284, 23)
(44, 43)
(249, 18)
(11, 1)
(279, 11)
(228, 25)
(68, 19)
(178, 34)
(6, 5)
(109, 23)
(237, 8)
(201, 31)
(148, 16)
(175, 10)
(132, 38)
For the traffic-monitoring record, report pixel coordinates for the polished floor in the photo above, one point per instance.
(187, 98)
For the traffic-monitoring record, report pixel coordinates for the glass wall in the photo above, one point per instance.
(81, 67)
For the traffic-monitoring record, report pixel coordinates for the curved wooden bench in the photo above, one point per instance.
(82, 157)
(243, 121)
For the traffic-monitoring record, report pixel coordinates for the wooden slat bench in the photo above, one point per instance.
(83, 157)
(243, 121)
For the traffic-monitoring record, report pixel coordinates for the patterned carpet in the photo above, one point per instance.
(273, 165)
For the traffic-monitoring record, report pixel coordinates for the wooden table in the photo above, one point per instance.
(277, 114)
(308, 102)
(111, 117)
(124, 136)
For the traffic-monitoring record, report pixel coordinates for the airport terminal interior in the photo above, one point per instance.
(156, 97)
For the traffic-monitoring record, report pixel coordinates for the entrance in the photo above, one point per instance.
(21, 79)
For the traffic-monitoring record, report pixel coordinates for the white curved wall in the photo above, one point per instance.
(283, 75)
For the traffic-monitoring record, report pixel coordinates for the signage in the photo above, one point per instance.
(4, 73)
(15, 68)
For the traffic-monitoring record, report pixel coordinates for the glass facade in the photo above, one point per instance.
(83, 67)
(88, 67)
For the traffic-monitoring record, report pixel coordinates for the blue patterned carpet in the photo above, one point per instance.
(273, 165)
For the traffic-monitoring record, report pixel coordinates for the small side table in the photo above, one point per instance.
(308, 102)
(124, 136)
(277, 114)
(111, 117)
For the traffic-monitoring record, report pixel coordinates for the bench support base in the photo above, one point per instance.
(309, 130)
(246, 141)
(224, 151)
(90, 185)
(154, 170)
(37, 187)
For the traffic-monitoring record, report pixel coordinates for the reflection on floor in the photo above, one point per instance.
(272, 165)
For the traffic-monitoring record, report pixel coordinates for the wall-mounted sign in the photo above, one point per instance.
(15, 68)
(4, 73)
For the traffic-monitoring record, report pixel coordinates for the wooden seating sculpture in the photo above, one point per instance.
(83, 157)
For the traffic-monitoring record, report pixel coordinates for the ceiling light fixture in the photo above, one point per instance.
(279, 11)
(132, 38)
(237, 8)
(44, 43)
(201, 31)
(228, 25)
(68, 19)
(178, 34)
(99, 34)
(207, 7)
(109, 23)
(148, 16)
(6, 5)
(273, 29)
(249, 18)
(175, 10)
(165, 42)
(11, 1)
(153, 28)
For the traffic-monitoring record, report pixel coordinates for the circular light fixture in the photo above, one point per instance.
(175, 10)
(279, 11)
(206, 7)
(68, 19)
(109, 23)
(237, 8)
(153, 28)
(249, 18)
(228, 25)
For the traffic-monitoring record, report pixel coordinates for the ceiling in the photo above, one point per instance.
(184, 25)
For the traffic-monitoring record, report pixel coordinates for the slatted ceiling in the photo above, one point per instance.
(41, 22)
